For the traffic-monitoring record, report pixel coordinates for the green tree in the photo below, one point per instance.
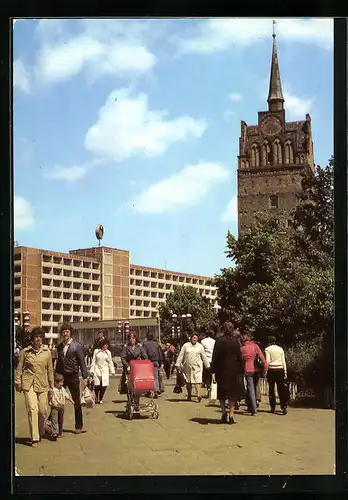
(282, 279)
(184, 300)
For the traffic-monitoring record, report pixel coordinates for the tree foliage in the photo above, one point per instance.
(282, 279)
(184, 300)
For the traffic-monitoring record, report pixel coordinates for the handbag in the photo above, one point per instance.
(258, 363)
(213, 391)
(161, 384)
(87, 398)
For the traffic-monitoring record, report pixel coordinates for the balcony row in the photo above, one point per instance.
(66, 261)
(168, 277)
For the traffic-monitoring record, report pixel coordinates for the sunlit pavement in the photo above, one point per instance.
(186, 439)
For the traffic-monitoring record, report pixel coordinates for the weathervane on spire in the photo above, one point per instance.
(274, 33)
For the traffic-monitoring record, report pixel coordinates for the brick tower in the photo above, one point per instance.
(272, 155)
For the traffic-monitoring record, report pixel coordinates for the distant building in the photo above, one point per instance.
(272, 155)
(92, 284)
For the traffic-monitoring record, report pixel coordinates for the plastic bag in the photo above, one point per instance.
(213, 392)
(87, 398)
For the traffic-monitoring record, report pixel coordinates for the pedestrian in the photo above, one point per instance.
(227, 368)
(190, 361)
(132, 350)
(168, 355)
(253, 359)
(71, 360)
(100, 337)
(208, 345)
(176, 351)
(154, 354)
(54, 355)
(90, 352)
(34, 377)
(56, 398)
(276, 374)
(101, 368)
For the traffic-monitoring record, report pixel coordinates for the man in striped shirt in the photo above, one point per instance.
(276, 374)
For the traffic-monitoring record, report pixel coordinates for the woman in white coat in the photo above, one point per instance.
(101, 368)
(190, 361)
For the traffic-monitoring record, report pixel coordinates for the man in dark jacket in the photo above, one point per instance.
(154, 353)
(71, 359)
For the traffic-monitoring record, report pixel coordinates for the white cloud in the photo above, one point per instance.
(126, 125)
(68, 174)
(101, 47)
(235, 97)
(214, 35)
(182, 190)
(296, 107)
(20, 76)
(228, 115)
(231, 212)
(23, 213)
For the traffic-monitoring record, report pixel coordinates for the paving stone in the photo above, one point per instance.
(186, 439)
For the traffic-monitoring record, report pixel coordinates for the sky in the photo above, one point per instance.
(135, 124)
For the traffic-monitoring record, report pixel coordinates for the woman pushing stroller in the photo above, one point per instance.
(132, 350)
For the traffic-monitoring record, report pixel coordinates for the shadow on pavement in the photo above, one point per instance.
(119, 400)
(24, 441)
(178, 400)
(205, 421)
(122, 415)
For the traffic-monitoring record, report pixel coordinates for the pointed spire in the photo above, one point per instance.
(275, 94)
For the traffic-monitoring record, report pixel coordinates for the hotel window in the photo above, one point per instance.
(132, 312)
(95, 288)
(67, 262)
(47, 258)
(57, 283)
(67, 284)
(17, 292)
(77, 263)
(17, 304)
(46, 282)
(57, 295)
(57, 260)
(67, 272)
(138, 272)
(76, 308)
(95, 265)
(86, 298)
(77, 296)
(86, 309)
(153, 275)
(86, 276)
(17, 268)
(46, 305)
(77, 274)
(57, 272)
(77, 286)
(66, 307)
(46, 270)
(86, 264)
(56, 307)
(95, 277)
(46, 293)
(161, 276)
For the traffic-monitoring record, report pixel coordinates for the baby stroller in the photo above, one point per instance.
(141, 380)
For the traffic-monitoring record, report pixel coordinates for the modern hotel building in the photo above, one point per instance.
(92, 284)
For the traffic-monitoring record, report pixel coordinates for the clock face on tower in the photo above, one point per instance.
(271, 126)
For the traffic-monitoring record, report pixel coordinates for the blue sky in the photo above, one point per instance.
(134, 124)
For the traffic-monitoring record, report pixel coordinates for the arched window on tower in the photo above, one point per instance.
(266, 154)
(289, 153)
(255, 156)
(273, 201)
(277, 151)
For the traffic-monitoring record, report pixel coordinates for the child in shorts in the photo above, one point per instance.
(56, 399)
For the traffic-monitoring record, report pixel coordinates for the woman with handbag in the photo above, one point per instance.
(190, 362)
(34, 377)
(227, 368)
(101, 368)
(255, 365)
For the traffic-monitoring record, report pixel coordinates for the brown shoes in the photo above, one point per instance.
(78, 431)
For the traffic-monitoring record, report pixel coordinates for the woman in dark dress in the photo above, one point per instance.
(228, 367)
(132, 350)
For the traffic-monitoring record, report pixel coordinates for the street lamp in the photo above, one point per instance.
(180, 327)
(123, 329)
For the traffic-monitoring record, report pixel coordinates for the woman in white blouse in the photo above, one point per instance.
(101, 368)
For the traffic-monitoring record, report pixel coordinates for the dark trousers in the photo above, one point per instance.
(99, 391)
(56, 419)
(166, 366)
(277, 377)
(207, 378)
(72, 382)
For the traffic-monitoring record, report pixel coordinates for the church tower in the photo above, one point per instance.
(272, 155)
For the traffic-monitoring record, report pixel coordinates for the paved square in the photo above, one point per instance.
(186, 439)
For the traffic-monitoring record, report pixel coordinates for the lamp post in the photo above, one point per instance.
(123, 329)
(182, 318)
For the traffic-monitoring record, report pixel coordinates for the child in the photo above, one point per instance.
(56, 399)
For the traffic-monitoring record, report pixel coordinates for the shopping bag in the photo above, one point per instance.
(180, 379)
(213, 392)
(87, 398)
(161, 384)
